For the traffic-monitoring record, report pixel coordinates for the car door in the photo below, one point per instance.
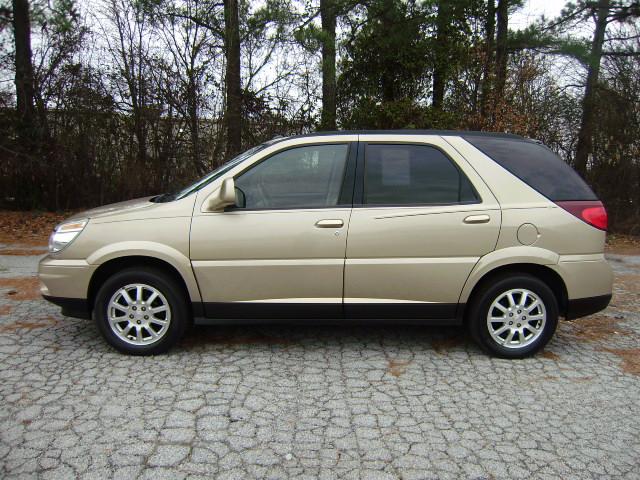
(280, 252)
(422, 218)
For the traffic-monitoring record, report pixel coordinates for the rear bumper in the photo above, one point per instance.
(585, 276)
(581, 307)
(71, 307)
(589, 282)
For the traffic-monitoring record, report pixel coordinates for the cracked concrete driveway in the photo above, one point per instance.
(315, 402)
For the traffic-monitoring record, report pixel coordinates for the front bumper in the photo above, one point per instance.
(66, 283)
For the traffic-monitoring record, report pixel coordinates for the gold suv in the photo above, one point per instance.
(492, 231)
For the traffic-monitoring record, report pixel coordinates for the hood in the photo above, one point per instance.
(116, 208)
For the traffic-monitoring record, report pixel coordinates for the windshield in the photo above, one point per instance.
(194, 187)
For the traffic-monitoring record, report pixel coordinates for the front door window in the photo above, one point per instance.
(303, 177)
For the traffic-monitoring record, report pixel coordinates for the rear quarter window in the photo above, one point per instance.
(536, 165)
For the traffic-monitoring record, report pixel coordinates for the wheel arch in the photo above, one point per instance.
(542, 272)
(114, 265)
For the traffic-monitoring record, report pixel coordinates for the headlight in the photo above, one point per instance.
(65, 233)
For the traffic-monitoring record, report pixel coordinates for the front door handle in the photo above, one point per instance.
(477, 219)
(330, 223)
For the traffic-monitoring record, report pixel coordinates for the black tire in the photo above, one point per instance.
(490, 291)
(174, 294)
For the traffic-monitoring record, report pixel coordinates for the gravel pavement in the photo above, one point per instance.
(278, 402)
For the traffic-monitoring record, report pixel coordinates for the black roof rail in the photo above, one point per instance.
(457, 133)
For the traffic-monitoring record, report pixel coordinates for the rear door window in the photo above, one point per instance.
(401, 174)
(536, 165)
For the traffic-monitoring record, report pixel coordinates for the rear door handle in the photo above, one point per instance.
(330, 223)
(477, 219)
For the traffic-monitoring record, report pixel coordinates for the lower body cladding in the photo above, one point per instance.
(581, 307)
(229, 313)
(71, 307)
(214, 313)
(220, 313)
(588, 280)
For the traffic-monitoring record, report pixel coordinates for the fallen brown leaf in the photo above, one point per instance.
(28, 228)
(623, 244)
(630, 359)
(23, 251)
(28, 325)
(550, 355)
(397, 367)
(21, 288)
(594, 328)
(626, 290)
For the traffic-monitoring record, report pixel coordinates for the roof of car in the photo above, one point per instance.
(456, 133)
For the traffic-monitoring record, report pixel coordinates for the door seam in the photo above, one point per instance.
(346, 243)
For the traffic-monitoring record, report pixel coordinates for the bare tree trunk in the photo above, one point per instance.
(24, 71)
(501, 48)
(27, 130)
(233, 116)
(387, 80)
(585, 135)
(194, 124)
(140, 130)
(328, 14)
(490, 31)
(440, 67)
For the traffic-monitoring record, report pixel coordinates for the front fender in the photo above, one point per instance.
(172, 256)
(503, 257)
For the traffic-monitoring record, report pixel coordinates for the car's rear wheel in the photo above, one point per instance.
(141, 311)
(514, 316)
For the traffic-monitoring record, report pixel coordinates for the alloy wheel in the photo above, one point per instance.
(139, 314)
(516, 318)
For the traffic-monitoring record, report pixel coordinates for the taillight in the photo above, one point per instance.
(591, 212)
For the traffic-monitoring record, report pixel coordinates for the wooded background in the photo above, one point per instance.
(104, 100)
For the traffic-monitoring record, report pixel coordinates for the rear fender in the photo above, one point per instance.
(506, 256)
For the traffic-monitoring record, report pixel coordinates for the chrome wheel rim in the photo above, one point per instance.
(139, 314)
(516, 318)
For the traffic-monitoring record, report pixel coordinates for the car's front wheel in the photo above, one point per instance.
(141, 311)
(514, 316)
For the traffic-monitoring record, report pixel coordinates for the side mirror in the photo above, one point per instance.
(222, 197)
